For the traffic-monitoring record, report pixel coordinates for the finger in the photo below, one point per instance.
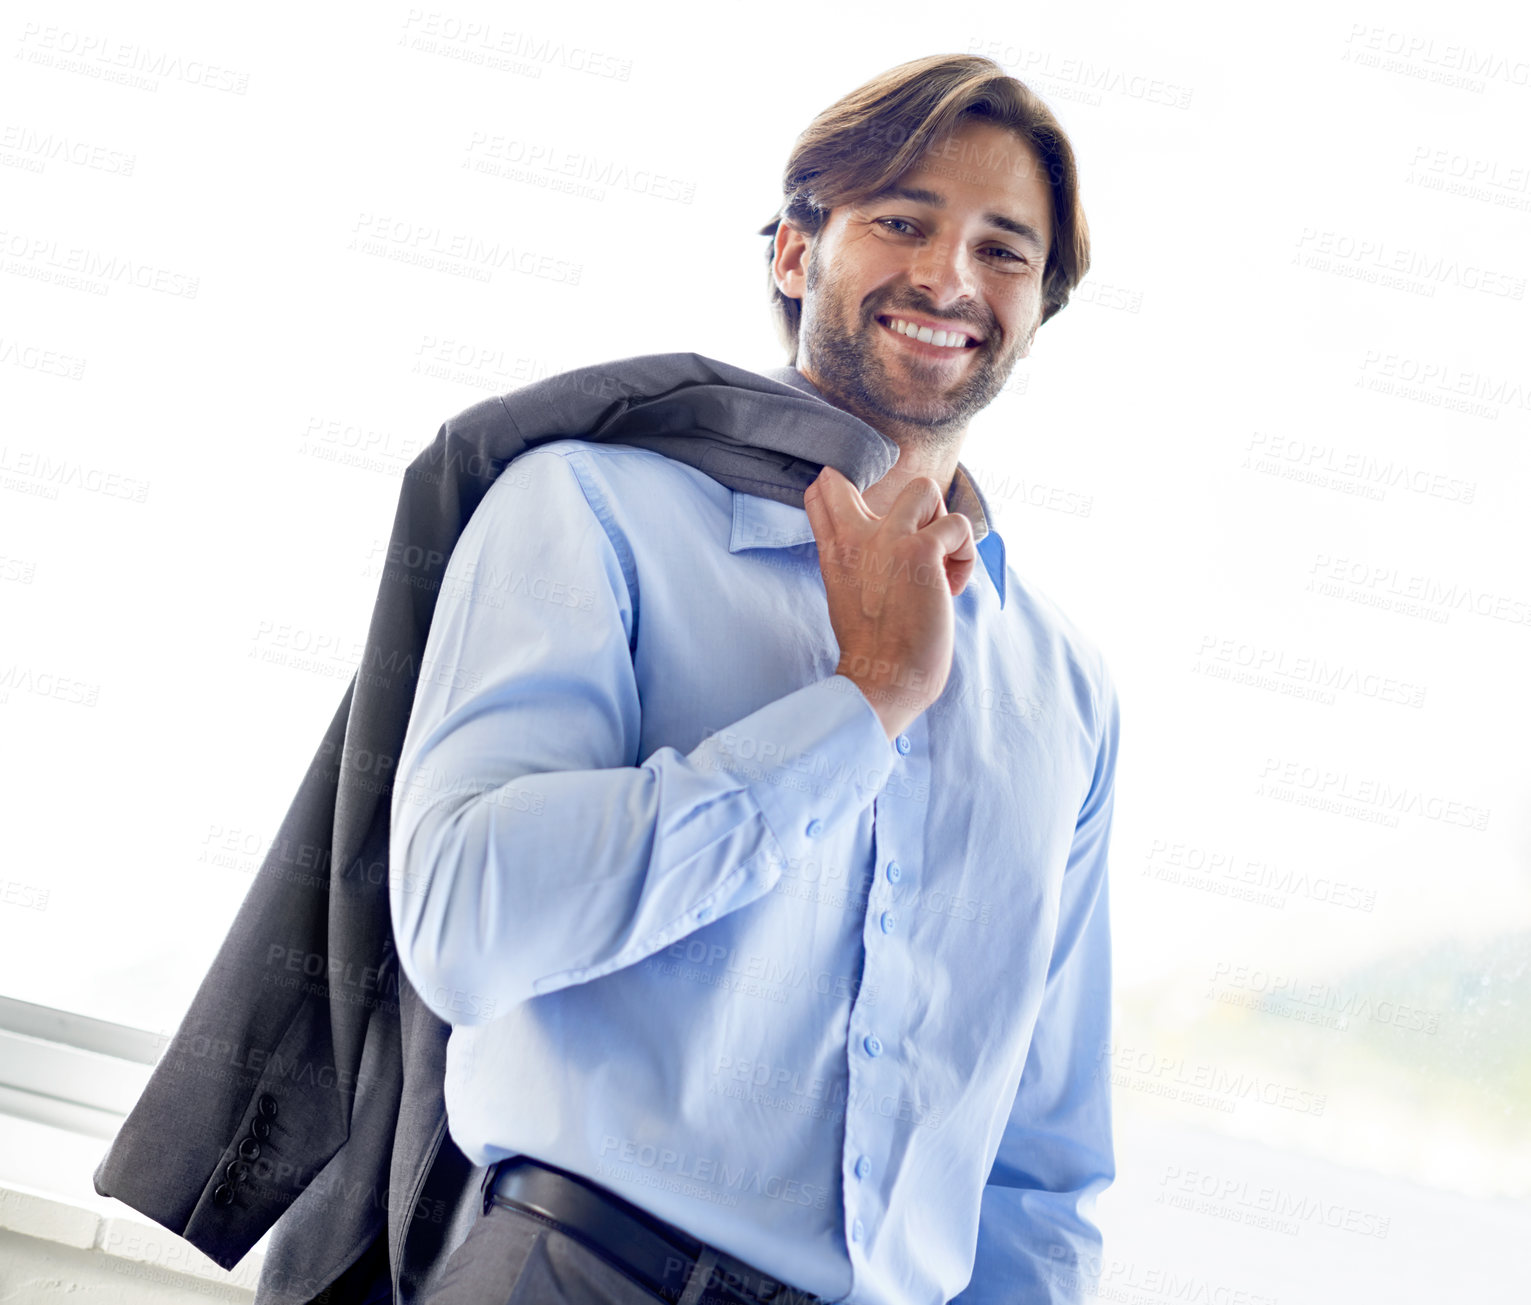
(837, 499)
(961, 560)
(953, 534)
(958, 574)
(917, 504)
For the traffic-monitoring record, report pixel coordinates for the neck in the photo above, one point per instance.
(914, 459)
(922, 450)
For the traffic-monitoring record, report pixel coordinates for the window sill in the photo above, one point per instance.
(54, 1249)
(66, 1085)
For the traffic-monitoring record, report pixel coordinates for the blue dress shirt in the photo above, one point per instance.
(704, 935)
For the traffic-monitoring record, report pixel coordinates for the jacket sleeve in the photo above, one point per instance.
(1037, 1240)
(531, 848)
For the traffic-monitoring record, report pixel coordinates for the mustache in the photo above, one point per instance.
(986, 327)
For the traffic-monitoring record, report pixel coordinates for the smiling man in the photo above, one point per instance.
(921, 298)
(764, 886)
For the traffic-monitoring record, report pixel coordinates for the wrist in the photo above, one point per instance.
(895, 706)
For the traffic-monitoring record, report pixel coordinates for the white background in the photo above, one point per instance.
(1273, 458)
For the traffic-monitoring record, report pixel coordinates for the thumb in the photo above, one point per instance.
(838, 495)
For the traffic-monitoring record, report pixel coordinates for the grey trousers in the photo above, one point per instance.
(510, 1258)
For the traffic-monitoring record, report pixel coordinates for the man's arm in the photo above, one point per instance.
(1037, 1240)
(529, 848)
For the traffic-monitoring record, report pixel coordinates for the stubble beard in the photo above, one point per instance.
(849, 370)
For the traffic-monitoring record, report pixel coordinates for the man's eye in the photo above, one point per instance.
(908, 226)
(1006, 255)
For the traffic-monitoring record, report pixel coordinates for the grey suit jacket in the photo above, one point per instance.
(303, 1087)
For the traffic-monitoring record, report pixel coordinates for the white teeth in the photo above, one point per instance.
(943, 339)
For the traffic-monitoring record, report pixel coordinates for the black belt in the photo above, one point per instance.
(657, 1255)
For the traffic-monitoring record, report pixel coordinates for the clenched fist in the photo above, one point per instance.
(889, 581)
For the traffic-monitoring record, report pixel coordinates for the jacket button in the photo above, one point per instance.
(267, 1105)
(223, 1194)
(249, 1149)
(259, 1128)
(237, 1171)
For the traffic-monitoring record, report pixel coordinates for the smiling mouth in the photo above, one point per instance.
(950, 340)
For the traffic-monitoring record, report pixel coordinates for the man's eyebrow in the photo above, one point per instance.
(932, 199)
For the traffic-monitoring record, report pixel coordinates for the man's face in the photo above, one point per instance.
(958, 244)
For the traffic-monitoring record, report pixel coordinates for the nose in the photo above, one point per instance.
(943, 269)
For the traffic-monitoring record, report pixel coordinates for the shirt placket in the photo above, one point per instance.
(878, 1050)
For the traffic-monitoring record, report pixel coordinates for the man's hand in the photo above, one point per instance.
(889, 581)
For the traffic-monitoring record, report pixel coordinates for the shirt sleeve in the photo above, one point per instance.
(529, 848)
(1037, 1240)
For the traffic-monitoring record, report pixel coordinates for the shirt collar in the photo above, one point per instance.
(766, 523)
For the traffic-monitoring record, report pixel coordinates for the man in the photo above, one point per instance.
(762, 874)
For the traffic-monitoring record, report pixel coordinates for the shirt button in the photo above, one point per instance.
(858, 1231)
(873, 1044)
(895, 872)
(888, 921)
(903, 745)
(704, 913)
(815, 828)
(863, 1167)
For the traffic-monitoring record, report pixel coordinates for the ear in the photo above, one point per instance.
(789, 266)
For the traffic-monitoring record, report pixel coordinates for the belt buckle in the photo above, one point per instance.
(486, 1186)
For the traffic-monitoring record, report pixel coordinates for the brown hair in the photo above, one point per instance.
(869, 138)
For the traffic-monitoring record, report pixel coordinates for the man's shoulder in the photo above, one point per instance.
(617, 465)
(637, 494)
